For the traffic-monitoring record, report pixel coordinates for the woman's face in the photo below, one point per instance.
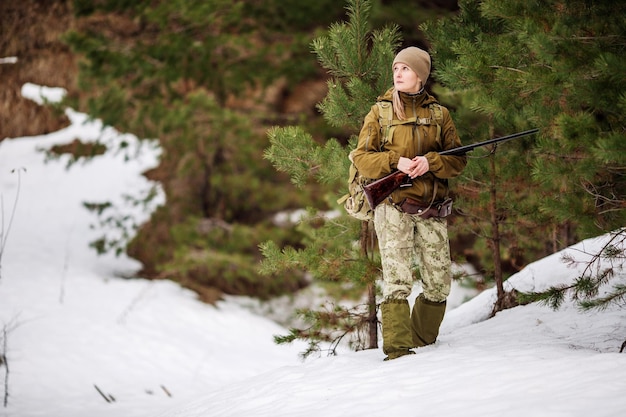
(405, 79)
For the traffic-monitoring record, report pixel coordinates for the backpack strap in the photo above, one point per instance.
(436, 113)
(385, 120)
(388, 124)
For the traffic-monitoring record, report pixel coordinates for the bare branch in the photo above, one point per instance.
(5, 234)
(507, 68)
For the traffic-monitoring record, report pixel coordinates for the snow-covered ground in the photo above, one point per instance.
(82, 339)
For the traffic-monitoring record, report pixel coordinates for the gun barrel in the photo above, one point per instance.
(462, 150)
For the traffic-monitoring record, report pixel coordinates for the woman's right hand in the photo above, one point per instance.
(413, 167)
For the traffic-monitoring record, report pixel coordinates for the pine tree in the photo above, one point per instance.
(358, 59)
(558, 66)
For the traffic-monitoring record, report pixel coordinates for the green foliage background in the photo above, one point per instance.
(211, 78)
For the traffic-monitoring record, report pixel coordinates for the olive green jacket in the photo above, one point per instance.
(410, 140)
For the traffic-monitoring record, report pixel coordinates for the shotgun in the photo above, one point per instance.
(377, 191)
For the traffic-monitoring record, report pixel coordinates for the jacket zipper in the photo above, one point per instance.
(428, 188)
(416, 132)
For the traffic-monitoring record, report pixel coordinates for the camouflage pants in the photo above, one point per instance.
(407, 241)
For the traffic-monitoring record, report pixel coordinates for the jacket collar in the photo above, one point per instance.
(417, 99)
(422, 98)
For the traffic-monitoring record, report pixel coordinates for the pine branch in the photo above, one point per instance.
(291, 151)
(617, 296)
(552, 297)
(331, 324)
(588, 284)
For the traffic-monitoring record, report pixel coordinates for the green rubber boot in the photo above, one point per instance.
(426, 318)
(396, 318)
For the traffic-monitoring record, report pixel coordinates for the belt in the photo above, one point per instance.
(411, 206)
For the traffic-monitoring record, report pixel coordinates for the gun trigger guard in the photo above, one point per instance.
(407, 182)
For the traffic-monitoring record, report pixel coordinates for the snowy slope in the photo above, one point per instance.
(527, 361)
(72, 323)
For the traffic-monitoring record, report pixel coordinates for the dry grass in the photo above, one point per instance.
(30, 30)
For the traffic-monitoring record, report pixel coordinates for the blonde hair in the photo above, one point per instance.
(398, 105)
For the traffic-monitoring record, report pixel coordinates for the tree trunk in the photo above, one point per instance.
(368, 240)
(373, 318)
(495, 235)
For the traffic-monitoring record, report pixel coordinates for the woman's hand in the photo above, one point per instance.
(415, 167)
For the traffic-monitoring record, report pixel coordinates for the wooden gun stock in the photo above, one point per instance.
(376, 192)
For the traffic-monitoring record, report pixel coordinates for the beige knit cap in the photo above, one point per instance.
(417, 59)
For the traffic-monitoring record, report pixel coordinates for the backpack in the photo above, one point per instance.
(354, 202)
